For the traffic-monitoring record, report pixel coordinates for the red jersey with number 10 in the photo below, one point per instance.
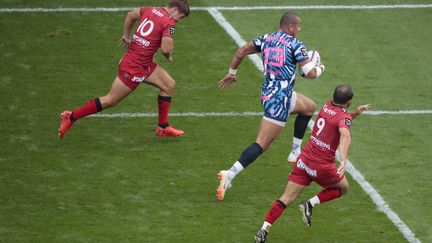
(154, 24)
(325, 136)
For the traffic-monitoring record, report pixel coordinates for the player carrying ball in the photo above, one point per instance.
(317, 160)
(155, 31)
(281, 53)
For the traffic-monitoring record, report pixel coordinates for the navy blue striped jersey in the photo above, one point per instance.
(280, 55)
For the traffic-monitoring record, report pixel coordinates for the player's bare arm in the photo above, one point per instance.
(231, 77)
(310, 70)
(167, 47)
(130, 20)
(360, 110)
(344, 145)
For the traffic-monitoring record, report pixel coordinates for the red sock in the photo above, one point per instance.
(164, 103)
(91, 107)
(275, 211)
(328, 194)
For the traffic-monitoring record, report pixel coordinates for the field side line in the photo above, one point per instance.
(376, 198)
(233, 8)
(256, 60)
(245, 113)
(366, 186)
(320, 7)
(380, 203)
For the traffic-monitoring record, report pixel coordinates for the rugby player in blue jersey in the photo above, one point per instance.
(281, 53)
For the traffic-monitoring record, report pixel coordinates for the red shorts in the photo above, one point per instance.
(305, 171)
(132, 74)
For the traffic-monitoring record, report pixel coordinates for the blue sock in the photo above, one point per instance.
(250, 154)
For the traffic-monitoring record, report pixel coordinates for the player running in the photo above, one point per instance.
(281, 52)
(155, 30)
(317, 160)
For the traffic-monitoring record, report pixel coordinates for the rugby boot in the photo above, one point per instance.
(292, 157)
(261, 236)
(168, 132)
(306, 210)
(224, 184)
(65, 123)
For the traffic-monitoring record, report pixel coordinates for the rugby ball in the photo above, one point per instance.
(315, 58)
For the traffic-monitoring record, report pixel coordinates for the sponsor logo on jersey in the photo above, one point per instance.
(309, 171)
(172, 30)
(348, 122)
(138, 79)
(304, 52)
(140, 40)
(320, 143)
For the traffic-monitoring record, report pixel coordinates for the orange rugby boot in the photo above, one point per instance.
(65, 123)
(168, 132)
(224, 184)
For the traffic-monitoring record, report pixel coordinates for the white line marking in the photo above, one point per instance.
(234, 8)
(381, 204)
(234, 35)
(320, 7)
(358, 177)
(402, 112)
(187, 114)
(246, 113)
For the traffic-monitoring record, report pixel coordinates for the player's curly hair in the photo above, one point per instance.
(182, 5)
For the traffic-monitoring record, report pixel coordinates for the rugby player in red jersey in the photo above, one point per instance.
(155, 31)
(316, 162)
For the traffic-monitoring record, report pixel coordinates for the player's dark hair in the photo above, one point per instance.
(288, 18)
(342, 94)
(182, 5)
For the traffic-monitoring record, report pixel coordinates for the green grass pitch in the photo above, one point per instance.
(112, 180)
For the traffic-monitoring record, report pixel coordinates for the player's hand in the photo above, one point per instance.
(227, 81)
(124, 41)
(341, 168)
(362, 108)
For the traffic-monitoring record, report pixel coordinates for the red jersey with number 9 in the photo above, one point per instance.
(324, 139)
(154, 24)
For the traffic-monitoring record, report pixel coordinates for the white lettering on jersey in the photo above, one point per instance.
(140, 40)
(328, 111)
(320, 143)
(138, 79)
(155, 11)
(301, 165)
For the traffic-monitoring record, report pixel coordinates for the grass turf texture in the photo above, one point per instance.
(112, 180)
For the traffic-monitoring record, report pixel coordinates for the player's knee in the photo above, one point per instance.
(108, 102)
(344, 189)
(170, 86)
(311, 108)
(286, 199)
(264, 145)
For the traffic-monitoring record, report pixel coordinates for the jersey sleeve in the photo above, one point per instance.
(300, 51)
(142, 11)
(345, 121)
(259, 42)
(169, 29)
